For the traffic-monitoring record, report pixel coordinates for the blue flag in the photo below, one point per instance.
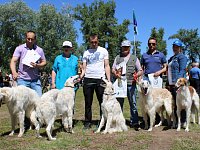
(135, 24)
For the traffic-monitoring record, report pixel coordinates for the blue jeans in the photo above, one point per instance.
(131, 94)
(33, 84)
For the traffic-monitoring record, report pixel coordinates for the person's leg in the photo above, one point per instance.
(99, 90)
(88, 91)
(36, 85)
(133, 106)
(121, 102)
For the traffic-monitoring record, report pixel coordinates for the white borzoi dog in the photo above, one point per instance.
(188, 99)
(55, 103)
(111, 112)
(154, 100)
(20, 101)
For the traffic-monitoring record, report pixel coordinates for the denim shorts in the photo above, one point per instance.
(33, 84)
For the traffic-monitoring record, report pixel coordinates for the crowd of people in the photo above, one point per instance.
(95, 66)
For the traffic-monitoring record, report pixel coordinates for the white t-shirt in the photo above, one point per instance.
(94, 59)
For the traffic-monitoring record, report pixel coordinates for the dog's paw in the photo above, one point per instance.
(186, 130)
(39, 136)
(52, 139)
(97, 131)
(11, 133)
(104, 132)
(150, 129)
(20, 135)
(178, 129)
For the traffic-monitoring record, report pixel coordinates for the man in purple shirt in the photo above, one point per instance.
(26, 75)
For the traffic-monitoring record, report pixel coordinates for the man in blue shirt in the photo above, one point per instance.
(65, 66)
(195, 77)
(153, 61)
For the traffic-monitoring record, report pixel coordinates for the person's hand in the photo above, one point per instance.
(79, 79)
(53, 85)
(34, 65)
(14, 76)
(135, 77)
(156, 74)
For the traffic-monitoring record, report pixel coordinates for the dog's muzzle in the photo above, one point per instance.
(145, 90)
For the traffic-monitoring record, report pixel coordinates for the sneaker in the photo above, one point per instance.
(87, 126)
(135, 126)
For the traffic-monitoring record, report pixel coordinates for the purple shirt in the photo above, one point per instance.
(26, 72)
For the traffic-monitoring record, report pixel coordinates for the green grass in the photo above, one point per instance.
(82, 139)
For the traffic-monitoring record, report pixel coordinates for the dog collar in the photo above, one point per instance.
(109, 93)
(70, 86)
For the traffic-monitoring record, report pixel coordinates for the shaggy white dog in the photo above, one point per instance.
(20, 100)
(154, 100)
(55, 103)
(111, 112)
(188, 99)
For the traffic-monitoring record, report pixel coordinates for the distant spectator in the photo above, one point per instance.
(6, 80)
(1, 79)
(195, 77)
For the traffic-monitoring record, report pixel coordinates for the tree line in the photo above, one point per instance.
(53, 26)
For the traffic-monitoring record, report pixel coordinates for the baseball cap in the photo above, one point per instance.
(67, 43)
(178, 43)
(126, 43)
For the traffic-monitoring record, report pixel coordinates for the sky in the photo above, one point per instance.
(171, 15)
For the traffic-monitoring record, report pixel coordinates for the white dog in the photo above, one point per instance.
(188, 99)
(154, 100)
(111, 112)
(20, 100)
(55, 103)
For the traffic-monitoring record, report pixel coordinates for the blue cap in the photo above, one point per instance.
(178, 43)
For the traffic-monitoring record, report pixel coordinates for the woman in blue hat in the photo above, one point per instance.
(176, 69)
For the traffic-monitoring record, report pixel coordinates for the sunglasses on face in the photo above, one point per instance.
(152, 44)
(93, 42)
(66, 47)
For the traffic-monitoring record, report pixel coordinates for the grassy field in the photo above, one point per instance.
(159, 138)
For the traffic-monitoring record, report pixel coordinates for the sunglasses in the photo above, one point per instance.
(66, 47)
(93, 42)
(152, 44)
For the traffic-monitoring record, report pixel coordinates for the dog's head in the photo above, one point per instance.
(71, 81)
(144, 86)
(4, 92)
(181, 82)
(109, 89)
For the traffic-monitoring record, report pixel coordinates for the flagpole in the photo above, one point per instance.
(135, 32)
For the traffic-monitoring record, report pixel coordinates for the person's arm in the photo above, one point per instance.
(164, 69)
(53, 79)
(107, 69)
(83, 70)
(13, 63)
(182, 60)
(39, 65)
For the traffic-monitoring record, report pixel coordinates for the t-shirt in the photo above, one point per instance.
(195, 73)
(64, 68)
(95, 62)
(25, 72)
(153, 62)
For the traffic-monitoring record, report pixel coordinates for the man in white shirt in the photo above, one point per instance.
(95, 67)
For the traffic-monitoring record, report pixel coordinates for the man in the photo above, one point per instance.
(95, 66)
(195, 77)
(153, 62)
(133, 71)
(26, 75)
(65, 66)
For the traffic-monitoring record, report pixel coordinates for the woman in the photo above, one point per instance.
(65, 66)
(176, 69)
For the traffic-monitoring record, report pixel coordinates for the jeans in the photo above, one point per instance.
(33, 84)
(131, 94)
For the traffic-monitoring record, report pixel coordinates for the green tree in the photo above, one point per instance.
(191, 40)
(15, 19)
(161, 43)
(137, 48)
(53, 28)
(99, 18)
